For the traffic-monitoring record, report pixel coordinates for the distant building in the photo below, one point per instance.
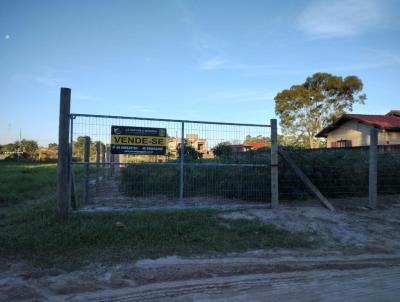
(239, 148)
(172, 145)
(46, 153)
(256, 145)
(352, 130)
(199, 144)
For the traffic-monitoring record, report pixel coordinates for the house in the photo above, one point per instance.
(172, 145)
(352, 130)
(256, 145)
(199, 144)
(240, 148)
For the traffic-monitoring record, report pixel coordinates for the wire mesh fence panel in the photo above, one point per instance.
(231, 166)
(240, 185)
(388, 174)
(337, 173)
(204, 164)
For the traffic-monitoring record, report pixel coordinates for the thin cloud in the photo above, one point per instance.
(237, 97)
(140, 109)
(210, 52)
(48, 81)
(211, 64)
(341, 18)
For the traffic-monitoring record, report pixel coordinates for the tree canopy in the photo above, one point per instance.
(306, 109)
(190, 153)
(223, 149)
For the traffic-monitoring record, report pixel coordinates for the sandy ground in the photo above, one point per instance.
(358, 260)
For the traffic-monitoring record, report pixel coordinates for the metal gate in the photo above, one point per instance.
(206, 164)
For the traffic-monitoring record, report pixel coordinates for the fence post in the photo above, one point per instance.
(63, 194)
(274, 165)
(112, 167)
(97, 165)
(373, 168)
(103, 162)
(182, 160)
(108, 160)
(86, 158)
(71, 180)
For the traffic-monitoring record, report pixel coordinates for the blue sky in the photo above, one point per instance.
(202, 60)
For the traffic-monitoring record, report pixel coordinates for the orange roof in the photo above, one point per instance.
(257, 145)
(390, 121)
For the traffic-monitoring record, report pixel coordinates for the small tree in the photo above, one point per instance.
(223, 149)
(11, 147)
(29, 147)
(307, 108)
(79, 147)
(53, 146)
(189, 152)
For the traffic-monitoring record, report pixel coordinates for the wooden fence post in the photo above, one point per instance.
(86, 159)
(373, 168)
(63, 192)
(274, 165)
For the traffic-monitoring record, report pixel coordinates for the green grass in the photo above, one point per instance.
(29, 230)
(26, 181)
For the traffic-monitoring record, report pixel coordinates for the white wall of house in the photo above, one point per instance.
(390, 138)
(358, 133)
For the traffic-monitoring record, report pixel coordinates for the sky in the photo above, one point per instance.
(199, 60)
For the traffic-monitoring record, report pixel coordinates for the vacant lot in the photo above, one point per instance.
(29, 230)
(300, 251)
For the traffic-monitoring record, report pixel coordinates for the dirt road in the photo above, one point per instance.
(254, 276)
(358, 259)
(332, 285)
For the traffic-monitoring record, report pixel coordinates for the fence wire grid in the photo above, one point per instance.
(221, 165)
(341, 174)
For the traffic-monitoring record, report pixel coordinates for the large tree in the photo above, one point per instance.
(306, 109)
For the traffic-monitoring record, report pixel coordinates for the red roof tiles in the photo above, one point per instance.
(390, 121)
(256, 145)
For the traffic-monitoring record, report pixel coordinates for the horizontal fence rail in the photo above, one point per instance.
(74, 115)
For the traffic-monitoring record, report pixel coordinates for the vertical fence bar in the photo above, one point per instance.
(103, 162)
(274, 165)
(182, 160)
(97, 165)
(86, 158)
(108, 160)
(112, 167)
(373, 168)
(72, 196)
(63, 155)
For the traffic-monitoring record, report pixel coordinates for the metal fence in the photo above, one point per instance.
(193, 173)
(342, 175)
(190, 174)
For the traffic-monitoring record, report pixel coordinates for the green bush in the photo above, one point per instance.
(337, 173)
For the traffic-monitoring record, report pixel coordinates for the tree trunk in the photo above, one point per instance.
(311, 141)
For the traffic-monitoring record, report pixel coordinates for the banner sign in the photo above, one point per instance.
(138, 140)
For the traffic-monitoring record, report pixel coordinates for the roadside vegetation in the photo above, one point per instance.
(336, 172)
(29, 230)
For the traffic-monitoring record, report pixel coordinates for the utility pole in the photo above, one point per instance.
(20, 143)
